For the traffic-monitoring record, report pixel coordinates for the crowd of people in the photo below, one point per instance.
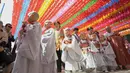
(55, 49)
(6, 56)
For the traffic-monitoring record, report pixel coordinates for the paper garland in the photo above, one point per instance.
(44, 7)
(71, 13)
(68, 4)
(78, 13)
(86, 13)
(22, 15)
(106, 16)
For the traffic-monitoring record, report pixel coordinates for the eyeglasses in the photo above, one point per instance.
(9, 26)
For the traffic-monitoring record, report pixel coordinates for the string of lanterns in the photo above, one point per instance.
(73, 13)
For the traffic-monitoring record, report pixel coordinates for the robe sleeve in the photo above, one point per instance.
(63, 46)
(110, 51)
(75, 51)
(33, 38)
(64, 52)
(64, 56)
(76, 46)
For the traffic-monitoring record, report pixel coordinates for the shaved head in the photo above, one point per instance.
(33, 16)
(108, 29)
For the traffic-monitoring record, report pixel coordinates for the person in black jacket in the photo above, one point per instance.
(11, 39)
(5, 58)
(1, 48)
(8, 28)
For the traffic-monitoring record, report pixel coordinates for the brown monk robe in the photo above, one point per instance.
(118, 44)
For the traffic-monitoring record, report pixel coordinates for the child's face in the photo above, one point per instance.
(93, 36)
(83, 36)
(102, 38)
(48, 24)
(57, 25)
(68, 32)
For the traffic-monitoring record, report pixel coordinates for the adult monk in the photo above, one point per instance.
(71, 54)
(28, 55)
(48, 56)
(118, 44)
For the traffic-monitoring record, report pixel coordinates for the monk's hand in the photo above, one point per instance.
(25, 22)
(21, 32)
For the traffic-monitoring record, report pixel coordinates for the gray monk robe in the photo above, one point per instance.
(73, 55)
(48, 56)
(28, 55)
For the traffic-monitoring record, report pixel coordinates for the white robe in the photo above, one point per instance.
(88, 61)
(48, 53)
(97, 56)
(109, 54)
(28, 59)
(108, 34)
(72, 56)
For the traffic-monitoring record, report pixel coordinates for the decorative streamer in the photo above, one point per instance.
(16, 13)
(102, 14)
(78, 3)
(30, 8)
(44, 7)
(112, 13)
(70, 12)
(34, 6)
(112, 8)
(73, 10)
(124, 32)
(87, 12)
(81, 11)
(2, 9)
(39, 4)
(116, 23)
(22, 15)
(106, 16)
(52, 10)
(95, 13)
(14, 17)
(68, 4)
(111, 20)
(120, 25)
(106, 11)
